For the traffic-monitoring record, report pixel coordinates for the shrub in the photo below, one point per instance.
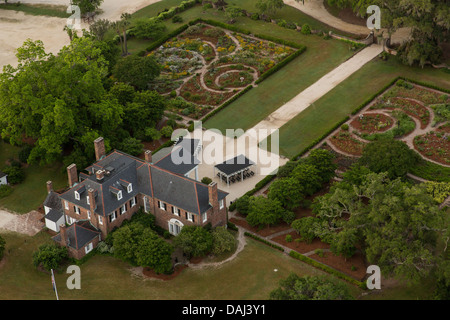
(345, 127)
(167, 131)
(25, 153)
(306, 29)
(15, 174)
(206, 180)
(194, 241)
(177, 19)
(254, 16)
(50, 256)
(223, 241)
(288, 238)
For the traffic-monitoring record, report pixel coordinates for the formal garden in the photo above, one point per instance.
(204, 66)
(408, 112)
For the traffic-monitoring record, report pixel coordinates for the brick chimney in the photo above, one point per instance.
(72, 174)
(148, 156)
(49, 186)
(99, 145)
(93, 206)
(100, 174)
(213, 196)
(63, 234)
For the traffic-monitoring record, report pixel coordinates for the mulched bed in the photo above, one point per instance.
(149, 273)
(300, 246)
(346, 143)
(193, 91)
(372, 122)
(339, 263)
(342, 161)
(435, 145)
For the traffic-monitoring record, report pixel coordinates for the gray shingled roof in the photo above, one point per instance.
(165, 185)
(182, 192)
(79, 234)
(54, 215)
(124, 169)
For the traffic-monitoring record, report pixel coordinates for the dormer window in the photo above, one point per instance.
(77, 195)
(116, 192)
(78, 192)
(126, 185)
(119, 195)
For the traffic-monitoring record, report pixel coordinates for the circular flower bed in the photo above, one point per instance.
(372, 122)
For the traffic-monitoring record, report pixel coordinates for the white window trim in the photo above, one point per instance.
(176, 211)
(100, 220)
(161, 205)
(221, 204)
(119, 195)
(130, 188)
(77, 195)
(66, 205)
(89, 247)
(113, 216)
(122, 209)
(133, 202)
(189, 216)
(87, 199)
(77, 209)
(205, 217)
(89, 214)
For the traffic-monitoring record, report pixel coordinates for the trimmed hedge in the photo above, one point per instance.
(172, 34)
(327, 269)
(248, 234)
(280, 65)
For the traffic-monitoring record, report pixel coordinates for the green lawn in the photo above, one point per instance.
(250, 276)
(315, 121)
(30, 194)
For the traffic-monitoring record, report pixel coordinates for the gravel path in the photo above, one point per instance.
(317, 90)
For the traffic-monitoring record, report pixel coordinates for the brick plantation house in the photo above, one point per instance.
(116, 186)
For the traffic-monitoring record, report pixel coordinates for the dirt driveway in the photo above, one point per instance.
(28, 224)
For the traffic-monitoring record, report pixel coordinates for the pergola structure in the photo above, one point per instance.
(237, 167)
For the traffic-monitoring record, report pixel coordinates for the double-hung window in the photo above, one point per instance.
(162, 205)
(221, 204)
(88, 248)
(175, 211)
(76, 209)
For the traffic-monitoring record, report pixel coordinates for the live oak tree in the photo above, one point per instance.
(287, 191)
(263, 211)
(391, 156)
(136, 71)
(295, 287)
(428, 20)
(396, 225)
(87, 5)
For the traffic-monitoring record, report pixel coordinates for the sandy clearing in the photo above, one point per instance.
(28, 224)
(17, 27)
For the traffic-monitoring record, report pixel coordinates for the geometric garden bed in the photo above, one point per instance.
(417, 115)
(205, 66)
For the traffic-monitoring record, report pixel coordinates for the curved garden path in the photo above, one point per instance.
(240, 247)
(317, 10)
(408, 138)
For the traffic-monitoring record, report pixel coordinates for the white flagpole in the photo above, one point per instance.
(54, 285)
